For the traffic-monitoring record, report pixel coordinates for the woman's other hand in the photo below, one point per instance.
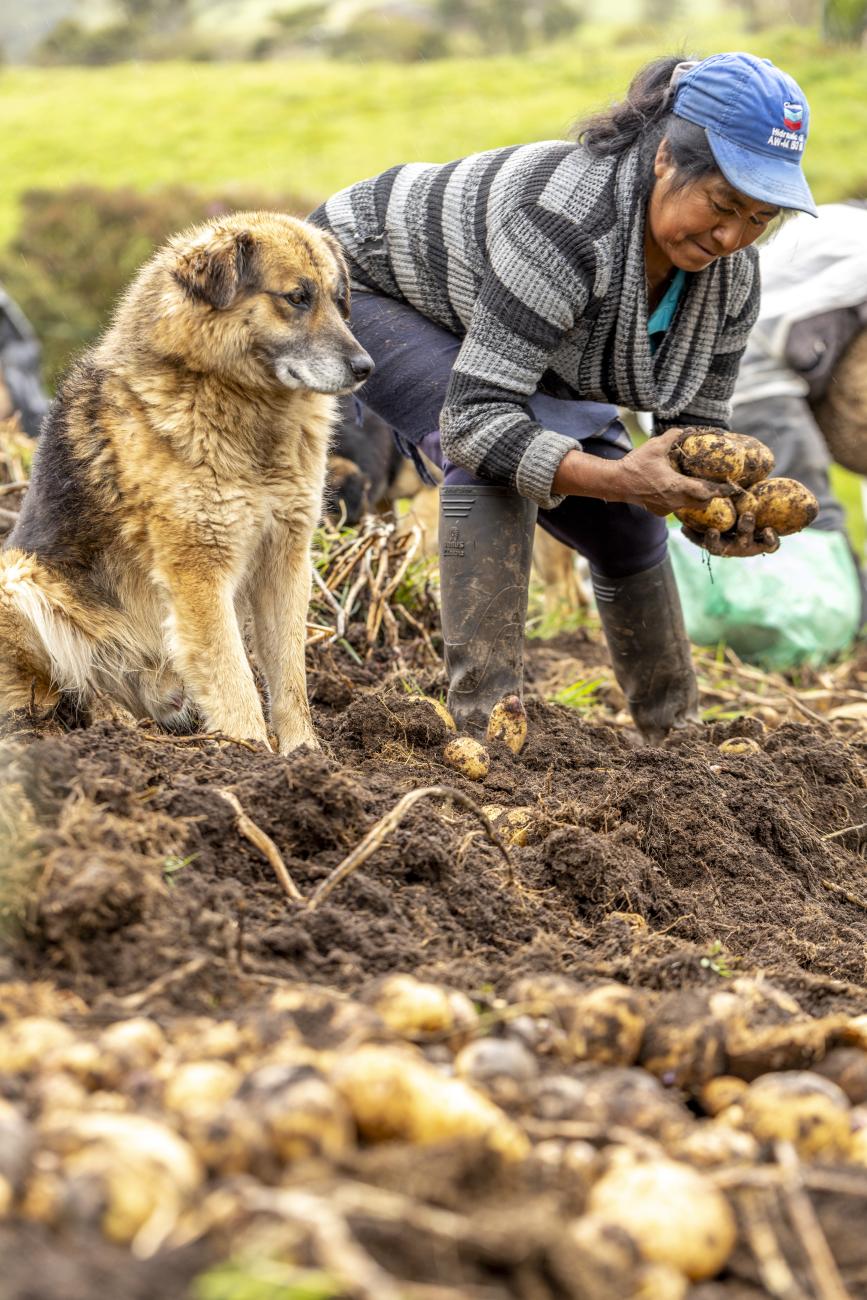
(742, 540)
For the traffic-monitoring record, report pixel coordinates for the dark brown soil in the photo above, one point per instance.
(144, 869)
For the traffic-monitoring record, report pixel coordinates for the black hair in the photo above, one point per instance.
(645, 115)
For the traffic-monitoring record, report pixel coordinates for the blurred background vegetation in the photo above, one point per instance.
(127, 119)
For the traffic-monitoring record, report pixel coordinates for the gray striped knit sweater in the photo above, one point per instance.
(534, 255)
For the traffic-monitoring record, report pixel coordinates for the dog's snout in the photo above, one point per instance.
(361, 366)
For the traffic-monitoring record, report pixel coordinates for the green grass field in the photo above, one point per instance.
(313, 126)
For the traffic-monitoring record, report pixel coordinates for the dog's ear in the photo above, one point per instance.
(217, 271)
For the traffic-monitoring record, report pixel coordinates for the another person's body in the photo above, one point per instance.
(21, 391)
(512, 298)
(809, 605)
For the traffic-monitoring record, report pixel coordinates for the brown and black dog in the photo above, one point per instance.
(177, 484)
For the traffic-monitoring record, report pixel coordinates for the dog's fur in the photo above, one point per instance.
(177, 484)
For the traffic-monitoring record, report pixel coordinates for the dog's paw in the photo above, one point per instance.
(286, 744)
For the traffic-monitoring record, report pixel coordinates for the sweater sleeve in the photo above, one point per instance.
(712, 403)
(538, 282)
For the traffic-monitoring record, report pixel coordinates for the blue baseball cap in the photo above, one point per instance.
(756, 119)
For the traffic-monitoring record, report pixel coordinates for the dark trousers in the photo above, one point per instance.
(414, 359)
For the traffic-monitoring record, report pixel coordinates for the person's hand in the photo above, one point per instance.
(644, 477)
(648, 478)
(742, 540)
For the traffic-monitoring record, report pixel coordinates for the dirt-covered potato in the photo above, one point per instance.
(410, 1006)
(508, 722)
(394, 1094)
(513, 825)
(800, 1107)
(847, 1067)
(488, 1060)
(740, 745)
(468, 757)
(608, 1025)
(675, 1214)
(758, 459)
(229, 1141)
(684, 1043)
(132, 1044)
(784, 505)
(304, 1114)
(745, 504)
(717, 513)
(438, 707)
(709, 1144)
(711, 454)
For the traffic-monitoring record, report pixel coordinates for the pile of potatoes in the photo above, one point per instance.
(782, 504)
(645, 1104)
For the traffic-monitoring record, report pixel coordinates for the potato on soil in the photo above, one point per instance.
(725, 1090)
(230, 1140)
(513, 825)
(508, 722)
(394, 1094)
(709, 1144)
(784, 505)
(409, 1007)
(711, 454)
(438, 707)
(200, 1087)
(800, 1107)
(739, 745)
(487, 1061)
(25, 1043)
(468, 757)
(717, 513)
(683, 1043)
(847, 1067)
(132, 1044)
(675, 1214)
(304, 1114)
(608, 1025)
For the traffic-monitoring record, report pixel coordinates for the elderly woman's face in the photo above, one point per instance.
(691, 227)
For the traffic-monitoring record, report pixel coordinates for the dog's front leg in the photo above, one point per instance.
(209, 653)
(280, 594)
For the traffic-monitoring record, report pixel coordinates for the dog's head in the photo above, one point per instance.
(262, 297)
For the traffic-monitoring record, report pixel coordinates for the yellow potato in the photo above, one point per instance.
(673, 1212)
(745, 503)
(200, 1087)
(710, 454)
(608, 1025)
(513, 825)
(717, 513)
(784, 505)
(394, 1094)
(721, 1092)
(739, 745)
(508, 722)
(24, 1043)
(439, 708)
(408, 1006)
(468, 757)
(758, 459)
(800, 1107)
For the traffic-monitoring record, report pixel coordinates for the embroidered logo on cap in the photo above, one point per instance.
(793, 115)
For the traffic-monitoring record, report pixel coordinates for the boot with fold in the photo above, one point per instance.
(486, 548)
(643, 624)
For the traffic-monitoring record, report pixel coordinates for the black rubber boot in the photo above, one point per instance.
(486, 547)
(643, 624)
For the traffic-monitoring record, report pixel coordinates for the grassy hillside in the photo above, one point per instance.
(313, 126)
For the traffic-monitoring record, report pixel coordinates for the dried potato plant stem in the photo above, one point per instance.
(772, 1267)
(825, 1275)
(264, 844)
(390, 822)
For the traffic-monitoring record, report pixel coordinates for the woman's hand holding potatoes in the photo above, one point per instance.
(645, 477)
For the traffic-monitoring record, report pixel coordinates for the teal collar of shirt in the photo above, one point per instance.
(663, 314)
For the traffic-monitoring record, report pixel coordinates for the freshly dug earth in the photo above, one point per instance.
(132, 888)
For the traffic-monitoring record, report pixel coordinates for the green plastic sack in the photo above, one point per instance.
(801, 605)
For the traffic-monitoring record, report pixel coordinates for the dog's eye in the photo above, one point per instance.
(297, 298)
